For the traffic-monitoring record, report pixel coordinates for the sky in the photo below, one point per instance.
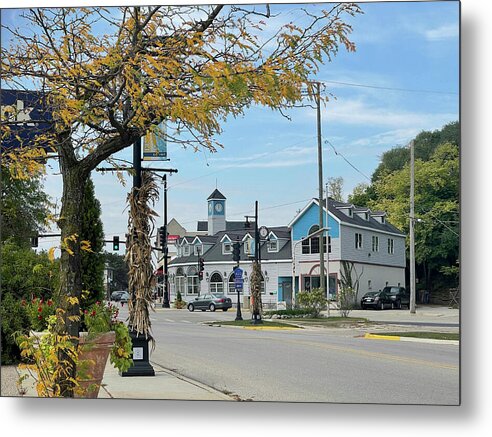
(402, 79)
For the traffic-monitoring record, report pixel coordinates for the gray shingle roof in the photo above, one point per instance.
(359, 221)
(216, 195)
(215, 252)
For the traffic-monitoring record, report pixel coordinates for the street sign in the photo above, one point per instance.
(238, 283)
(238, 273)
(27, 116)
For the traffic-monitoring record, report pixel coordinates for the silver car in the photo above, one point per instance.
(210, 302)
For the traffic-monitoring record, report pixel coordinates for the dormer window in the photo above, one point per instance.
(350, 212)
(226, 247)
(272, 245)
(186, 250)
(366, 215)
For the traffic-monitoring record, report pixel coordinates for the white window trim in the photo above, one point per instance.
(359, 242)
(186, 250)
(269, 248)
(375, 247)
(224, 251)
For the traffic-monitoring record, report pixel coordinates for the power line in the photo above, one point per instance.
(407, 90)
(347, 161)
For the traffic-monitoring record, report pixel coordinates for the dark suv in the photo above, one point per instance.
(392, 296)
(398, 296)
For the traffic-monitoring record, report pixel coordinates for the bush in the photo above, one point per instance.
(313, 301)
(346, 300)
(14, 321)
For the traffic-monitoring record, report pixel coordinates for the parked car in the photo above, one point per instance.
(398, 296)
(210, 302)
(116, 294)
(121, 296)
(392, 297)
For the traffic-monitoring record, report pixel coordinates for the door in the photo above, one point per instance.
(287, 294)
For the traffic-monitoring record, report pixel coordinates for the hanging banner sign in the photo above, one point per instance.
(25, 115)
(155, 144)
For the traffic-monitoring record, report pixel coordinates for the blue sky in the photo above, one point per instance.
(410, 47)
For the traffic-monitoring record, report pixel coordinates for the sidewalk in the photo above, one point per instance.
(165, 385)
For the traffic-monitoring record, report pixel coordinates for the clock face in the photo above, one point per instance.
(263, 232)
(218, 207)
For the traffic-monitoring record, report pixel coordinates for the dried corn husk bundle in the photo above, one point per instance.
(255, 284)
(141, 279)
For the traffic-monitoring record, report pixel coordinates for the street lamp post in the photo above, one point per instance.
(165, 294)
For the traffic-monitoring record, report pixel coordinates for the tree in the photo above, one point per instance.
(24, 208)
(191, 66)
(362, 195)
(436, 207)
(335, 188)
(120, 270)
(92, 262)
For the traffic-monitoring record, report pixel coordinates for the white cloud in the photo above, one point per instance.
(442, 32)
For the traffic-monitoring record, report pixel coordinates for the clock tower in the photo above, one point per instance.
(216, 212)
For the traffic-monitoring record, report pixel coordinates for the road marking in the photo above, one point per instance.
(185, 321)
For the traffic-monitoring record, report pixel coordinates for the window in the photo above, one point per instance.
(231, 289)
(186, 250)
(272, 246)
(216, 283)
(358, 240)
(226, 247)
(366, 215)
(192, 281)
(391, 246)
(180, 281)
(369, 284)
(375, 243)
(350, 212)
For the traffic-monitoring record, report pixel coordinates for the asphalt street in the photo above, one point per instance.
(308, 365)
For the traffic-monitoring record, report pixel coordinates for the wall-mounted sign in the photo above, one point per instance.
(25, 115)
(155, 144)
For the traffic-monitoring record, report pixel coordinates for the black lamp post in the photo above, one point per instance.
(165, 293)
(140, 343)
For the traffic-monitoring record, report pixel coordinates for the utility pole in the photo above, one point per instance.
(412, 223)
(327, 254)
(320, 186)
(165, 251)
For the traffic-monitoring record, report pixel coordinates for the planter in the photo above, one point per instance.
(93, 356)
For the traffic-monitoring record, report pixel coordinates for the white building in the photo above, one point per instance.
(363, 240)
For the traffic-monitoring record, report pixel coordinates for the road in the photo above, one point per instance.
(308, 365)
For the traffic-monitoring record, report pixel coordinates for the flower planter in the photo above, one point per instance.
(93, 356)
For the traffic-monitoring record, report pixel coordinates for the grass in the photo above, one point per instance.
(247, 323)
(329, 321)
(431, 335)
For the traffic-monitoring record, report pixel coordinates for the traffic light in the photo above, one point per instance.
(34, 241)
(236, 252)
(201, 266)
(162, 235)
(116, 243)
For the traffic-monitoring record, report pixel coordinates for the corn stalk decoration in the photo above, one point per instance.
(255, 281)
(141, 280)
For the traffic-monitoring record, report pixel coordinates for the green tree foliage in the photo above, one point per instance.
(120, 270)
(436, 207)
(426, 143)
(362, 195)
(25, 275)
(24, 208)
(93, 260)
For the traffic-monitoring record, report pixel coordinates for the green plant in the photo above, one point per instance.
(100, 318)
(38, 311)
(43, 354)
(179, 303)
(14, 319)
(346, 300)
(313, 301)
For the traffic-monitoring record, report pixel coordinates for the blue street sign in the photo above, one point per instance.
(238, 273)
(26, 114)
(238, 283)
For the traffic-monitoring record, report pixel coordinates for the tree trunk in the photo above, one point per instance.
(70, 291)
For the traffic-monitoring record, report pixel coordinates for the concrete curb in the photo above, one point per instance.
(410, 339)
